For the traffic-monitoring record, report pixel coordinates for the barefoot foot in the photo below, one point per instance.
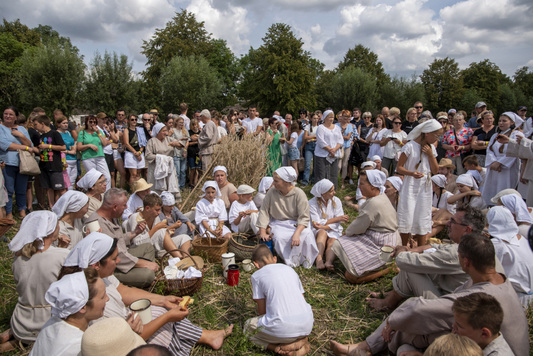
(215, 338)
(330, 267)
(379, 294)
(361, 348)
(6, 336)
(379, 304)
(320, 264)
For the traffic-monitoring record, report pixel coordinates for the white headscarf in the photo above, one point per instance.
(157, 127)
(368, 164)
(89, 179)
(265, 184)
(321, 187)
(35, 226)
(477, 176)
(70, 202)
(288, 174)
(89, 250)
(375, 158)
(439, 179)
(518, 207)
(396, 182)
(325, 114)
(220, 168)
(68, 295)
(467, 180)
(502, 224)
(212, 184)
(501, 193)
(376, 178)
(168, 199)
(518, 121)
(425, 127)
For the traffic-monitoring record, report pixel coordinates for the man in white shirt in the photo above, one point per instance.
(252, 123)
(183, 113)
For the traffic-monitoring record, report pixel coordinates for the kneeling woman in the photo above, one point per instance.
(76, 300)
(286, 210)
(375, 227)
(326, 218)
(211, 212)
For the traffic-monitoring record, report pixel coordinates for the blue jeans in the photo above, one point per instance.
(180, 164)
(309, 151)
(15, 183)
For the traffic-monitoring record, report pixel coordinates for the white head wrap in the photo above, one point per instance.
(425, 127)
(439, 179)
(68, 295)
(375, 158)
(321, 187)
(265, 184)
(35, 226)
(89, 250)
(376, 178)
(368, 164)
(326, 113)
(518, 121)
(501, 193)
(70, 202)
(518, 207)
(288, 174)
(220, 168)
(502, 224)
(467, 180)
(477, 176)
(279, 118)
(212, 184)
(157, 127)
(89, 179)
(396, 182)
(168, 199)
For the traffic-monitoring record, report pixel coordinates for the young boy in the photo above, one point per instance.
(243, 212)
(156, 231)
(174, 216)
(471, 164)
(51, 145)
(286, 319)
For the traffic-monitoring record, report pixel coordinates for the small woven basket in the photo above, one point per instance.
(242, 245)
(178, 287)
(209, 248)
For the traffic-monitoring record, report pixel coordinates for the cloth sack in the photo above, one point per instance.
(28, 165)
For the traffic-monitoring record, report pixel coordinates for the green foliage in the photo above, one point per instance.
(10, 52)
(523, 87)
(51, 77)
(468, 100)
(279, 75)
(191, 80)
(443, 84)
(48, 35)
(221, 58)
(352, 87)
(21, 32)
(363, 58)
(487, 78)
(401, 93)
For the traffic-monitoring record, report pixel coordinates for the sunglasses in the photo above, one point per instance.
(418, 107)
(91, 122)
(147, 120)
(133, 119)
(397, 122)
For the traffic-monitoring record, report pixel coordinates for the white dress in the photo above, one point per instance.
(375, 148)
(508, 177)
(331, 212)
(443, 202)
(414, 206)
(249, 222)
(213, 213)
(58, 338)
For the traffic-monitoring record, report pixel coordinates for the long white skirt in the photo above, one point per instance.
(213, 224)
(303, 255)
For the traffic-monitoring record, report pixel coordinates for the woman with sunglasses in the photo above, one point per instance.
(91, 144)
(482, 136)
(392, 141)
(133, 153)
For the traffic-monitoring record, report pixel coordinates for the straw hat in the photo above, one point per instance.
(446, 162)
(501, 193)
(109, 336)
(141, 185)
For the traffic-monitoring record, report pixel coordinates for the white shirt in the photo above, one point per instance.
(391, 148)
(316, 215)
(222, 132)
(326, 137)
(134, 203)
(516, 257)
(108, 150)
(443, 203)
(252, 125)
(235, 209)
(295, 141)
(287, 312)
(58, 338)
(186, 121)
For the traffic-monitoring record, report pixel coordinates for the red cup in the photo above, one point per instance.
(233, 275)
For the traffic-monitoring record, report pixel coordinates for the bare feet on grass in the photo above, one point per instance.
(215, 338)
(360, 349)
(330, 267)
(8, 346)
(320, 264)
(6, 336)
(297, 348)
(389, 303)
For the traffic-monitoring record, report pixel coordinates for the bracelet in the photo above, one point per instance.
(140, 153)
(49, 147)
(27, 148)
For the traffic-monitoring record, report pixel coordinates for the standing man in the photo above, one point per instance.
(419, 109)
(480, 107)
(207, 139)
(183, 114)
(356, 119)
(253, 124)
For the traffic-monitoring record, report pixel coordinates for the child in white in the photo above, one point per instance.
(211, 212)
(243, 212)
(286, 319)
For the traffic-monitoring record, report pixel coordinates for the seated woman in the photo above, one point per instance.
(76, 300)
(520, 211)
(211, 212)
(359, 197)
(468, 193)
(228, 192)
(70, 208)
(169, 326)
(392, 189)
(442, 211)
(375, 227)
(264, 186)
(35, 266)
(94, 184)
(326, 218)
(176, 220)
(286, 210)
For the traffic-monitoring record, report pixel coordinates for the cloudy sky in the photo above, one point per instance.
(407, 35)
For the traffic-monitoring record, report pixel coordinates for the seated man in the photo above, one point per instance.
(135, 201)
(243, 212)
(419, 321)
(136, 267)
(285, 317)
(431, 274)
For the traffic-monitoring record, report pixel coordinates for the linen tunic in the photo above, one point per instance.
(212, 213)
(226, 191)
(443, 202)
(156, 147)
(94, 204)
(58, 338)
(316, 215)
(74, 233)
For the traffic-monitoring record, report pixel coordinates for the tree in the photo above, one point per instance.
(362, 57)
(523, 86)
(222, 59)
(443, 84)
(279, 75)
(51, 77)
(21, 32)
(401, 93)
(109, 84)
(352, 87)
(191, 80)
(10, 52)
(48, 34)
(486, 77)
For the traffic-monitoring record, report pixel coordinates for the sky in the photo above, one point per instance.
(407, 35)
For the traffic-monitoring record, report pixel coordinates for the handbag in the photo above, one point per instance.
(283, 149)
(28, 165)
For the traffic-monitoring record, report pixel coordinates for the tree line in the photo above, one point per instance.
(185, 63)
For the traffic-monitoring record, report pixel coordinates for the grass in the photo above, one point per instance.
(339, 308)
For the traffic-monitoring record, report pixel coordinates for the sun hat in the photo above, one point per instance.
(141, 185)
(245, 189)
(501, 193)
(446, 163)
(110, 336)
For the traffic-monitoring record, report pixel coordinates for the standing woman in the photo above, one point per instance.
(118, 151)
(457, 141)
(393, 141)
(274, 140)
(193, 157)
(159, 146)
(482, 136)
(181, 136)
(364, 129)
(12, 138)
(170, 122)
(374, 137)
(417, 163)
(294, 152)
(347, 130)
(133, 154)
(328, 144)
(70, 152)
(91, 144)
(310, 143)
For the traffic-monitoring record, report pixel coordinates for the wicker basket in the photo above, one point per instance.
(5, 225)
(209, 248)
(242, 245)
(178, 287)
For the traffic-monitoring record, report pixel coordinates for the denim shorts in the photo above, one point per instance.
(194, 162)
(294, 153)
